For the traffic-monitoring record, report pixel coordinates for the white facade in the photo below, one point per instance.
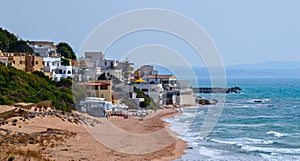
(154, 91)
(62, 72)
(51, 63)
(113, 72)
(169, 82)
(108, 64)
(44, 49)
(56, 70)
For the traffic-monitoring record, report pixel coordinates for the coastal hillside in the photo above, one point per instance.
(18, 86)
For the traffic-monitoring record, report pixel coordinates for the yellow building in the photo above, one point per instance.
(101, 89)
(27, 62)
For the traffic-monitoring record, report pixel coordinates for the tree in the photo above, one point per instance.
(10, 43)
(65, 50)
(20, 46)
(65, 62)
(102, 77)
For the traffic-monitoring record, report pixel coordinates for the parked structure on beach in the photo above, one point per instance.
(96, 106)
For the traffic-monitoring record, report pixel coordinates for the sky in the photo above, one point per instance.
(245, 32)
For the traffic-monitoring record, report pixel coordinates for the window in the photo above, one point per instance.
(96, 87)
(145, 90)
(21, 62)
(36, 62)
(103, 87)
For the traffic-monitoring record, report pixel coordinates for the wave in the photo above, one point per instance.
(277, 134)
(264, 100)
(249, 148)
(243, 141)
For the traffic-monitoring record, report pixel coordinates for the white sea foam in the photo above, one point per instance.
(209, 152)
(271, 150)
(243, 141)
(277, 134)
(264, 100)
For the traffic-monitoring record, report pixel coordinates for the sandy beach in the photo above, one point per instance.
(44, 133)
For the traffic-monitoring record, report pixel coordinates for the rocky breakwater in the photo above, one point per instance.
(217, 90)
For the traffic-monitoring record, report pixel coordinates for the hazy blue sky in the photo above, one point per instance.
(249, 31)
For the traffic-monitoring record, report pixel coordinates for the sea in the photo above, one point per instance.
(260, 123)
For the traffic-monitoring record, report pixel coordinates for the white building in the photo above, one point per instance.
(113, 72)
(55, 70)
(51, 63)
(43, 48)
(108, 64)
(168, 81)
(155, 91)
(62, 72)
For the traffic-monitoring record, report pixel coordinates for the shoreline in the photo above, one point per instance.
(66, 136)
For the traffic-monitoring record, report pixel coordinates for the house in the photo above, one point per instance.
(62, 72)
(26, 62)
(55, 70)
(93, 58)
(100, 89)
(168, 81)
(144, 71)
(127, 70)
(179, 97)
(155, 91)
(182, 95)
(43, 48)
(4, 60)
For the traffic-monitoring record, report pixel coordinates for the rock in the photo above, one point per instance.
(189, 147)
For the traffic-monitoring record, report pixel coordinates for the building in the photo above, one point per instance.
(113, 72)
(100, 89)
(168, 81)
(179, 97)
(4, 60)
(43, 48)
(62, 72)
(182, 95)
(108, 64)
(94, 55)
(26, 62)
(53, 68)
(155, 91)
(144, 72)
(127, 70)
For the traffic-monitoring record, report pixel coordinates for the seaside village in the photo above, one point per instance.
(110, 87)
